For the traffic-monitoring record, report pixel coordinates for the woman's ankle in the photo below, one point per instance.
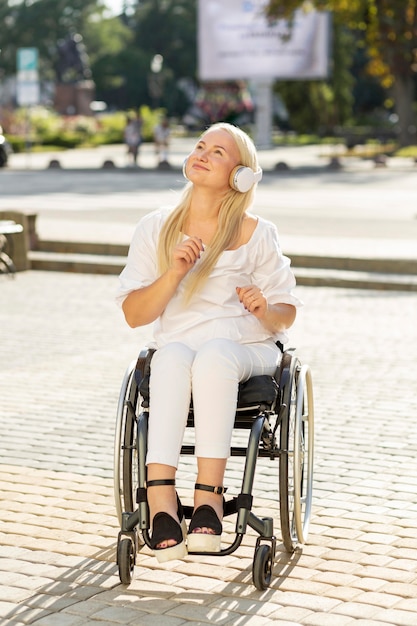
(211, 499)
(162, 499)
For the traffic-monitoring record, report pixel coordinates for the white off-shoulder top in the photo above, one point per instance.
(215, 311)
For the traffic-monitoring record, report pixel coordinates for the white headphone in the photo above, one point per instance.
(241, 179)
(244, 178)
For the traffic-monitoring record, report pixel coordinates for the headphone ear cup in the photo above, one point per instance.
(184, 169)
(243, 178)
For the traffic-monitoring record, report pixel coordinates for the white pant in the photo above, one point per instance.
(212, 374)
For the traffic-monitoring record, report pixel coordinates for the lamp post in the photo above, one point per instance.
(156, 79)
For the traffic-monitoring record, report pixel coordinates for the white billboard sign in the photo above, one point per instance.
(236, 41)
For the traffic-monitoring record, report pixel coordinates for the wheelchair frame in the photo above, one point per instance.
(280, 418)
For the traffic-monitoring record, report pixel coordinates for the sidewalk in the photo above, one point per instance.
(352, 226)
(302, 158)
(318, 211)
(65, 347)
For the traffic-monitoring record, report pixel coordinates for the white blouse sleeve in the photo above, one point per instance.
(273, 274)
(142, 267)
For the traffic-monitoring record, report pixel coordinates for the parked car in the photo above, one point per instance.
(5, 149)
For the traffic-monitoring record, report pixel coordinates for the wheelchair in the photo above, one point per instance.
(277, 411)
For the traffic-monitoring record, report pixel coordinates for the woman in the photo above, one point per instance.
(213, 279)
(133, 136)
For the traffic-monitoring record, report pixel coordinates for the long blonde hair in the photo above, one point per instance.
(231, 214)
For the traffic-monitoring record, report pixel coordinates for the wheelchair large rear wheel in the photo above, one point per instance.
(297, 450)
(125, 448)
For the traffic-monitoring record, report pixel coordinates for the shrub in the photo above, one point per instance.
(44, 127)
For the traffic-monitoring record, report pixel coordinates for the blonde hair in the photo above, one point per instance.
(231, 214)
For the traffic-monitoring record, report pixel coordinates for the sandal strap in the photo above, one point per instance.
(160, 482)
(217, 490)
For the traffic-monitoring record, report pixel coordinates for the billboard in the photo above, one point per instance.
(236, 41)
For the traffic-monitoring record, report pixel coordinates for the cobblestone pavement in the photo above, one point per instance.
(65, 347)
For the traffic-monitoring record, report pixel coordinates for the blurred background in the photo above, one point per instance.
(72, 71)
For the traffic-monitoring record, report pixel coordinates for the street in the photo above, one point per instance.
(357, 211)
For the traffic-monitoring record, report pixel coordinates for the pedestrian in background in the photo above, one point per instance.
(133, 136)
(162, 134)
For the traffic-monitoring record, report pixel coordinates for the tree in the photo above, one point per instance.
(42, 24)
(120, 49)
(167, 28)
(46, 24)
(115, 62)
(389, 30)
(320, 105)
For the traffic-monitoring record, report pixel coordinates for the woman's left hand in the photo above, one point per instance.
(253, 300)
(274, 317)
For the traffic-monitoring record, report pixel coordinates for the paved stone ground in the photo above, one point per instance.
(65, 347)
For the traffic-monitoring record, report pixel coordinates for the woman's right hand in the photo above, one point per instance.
(146, 304)
(185, 255)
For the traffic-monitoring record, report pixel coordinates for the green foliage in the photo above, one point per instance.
(47, 128)
(319, 106)
(388, 30)
(168, 28)
(42, 23)
(119, 50)
(17, 142)
(150, 118)
(382, 33)
(408, 151)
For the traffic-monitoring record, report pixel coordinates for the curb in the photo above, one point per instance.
(319, 271)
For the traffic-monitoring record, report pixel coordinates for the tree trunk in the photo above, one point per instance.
(403, 90)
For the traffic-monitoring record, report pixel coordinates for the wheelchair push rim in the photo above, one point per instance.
(297, 450)
(303, 454)
(123, 449)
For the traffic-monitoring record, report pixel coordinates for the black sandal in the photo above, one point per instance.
(205, 517)
(164, 527)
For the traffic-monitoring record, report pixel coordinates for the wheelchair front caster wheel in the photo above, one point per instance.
(262, 566)
(126, 559)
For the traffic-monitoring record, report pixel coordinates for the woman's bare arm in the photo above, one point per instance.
(145, 305)
(274, 317)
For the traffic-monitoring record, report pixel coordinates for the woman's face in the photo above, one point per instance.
(213, 159)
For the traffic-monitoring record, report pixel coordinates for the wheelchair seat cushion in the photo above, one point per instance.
(257, 390)
(253, 392)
